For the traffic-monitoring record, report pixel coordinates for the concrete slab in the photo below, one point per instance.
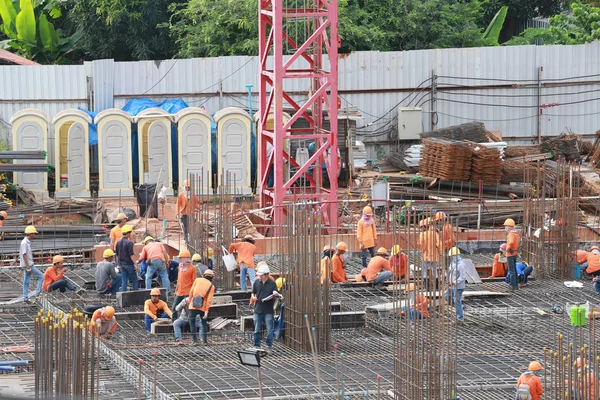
(137, 297)
(348, 319)
(237, 295)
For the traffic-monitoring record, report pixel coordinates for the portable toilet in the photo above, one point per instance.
(233, 150)
(154, 148)
(194, 142)
(30, 133)
(71, 153)
(114, 153)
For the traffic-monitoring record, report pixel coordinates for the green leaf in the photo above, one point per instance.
(492, 32)
(55, 13)
(47, 34)
(26, 27)
(9, 18)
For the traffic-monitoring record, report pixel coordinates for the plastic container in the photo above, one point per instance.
(64, 181)
(577, 314)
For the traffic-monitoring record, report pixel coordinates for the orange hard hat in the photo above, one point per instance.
(57, 259)
(509, 222)
(109, 312)
(4, 214)
(342, 246)
(382, 250)
(183, 253)
(155, 292)
(368, 210)
(535, 366)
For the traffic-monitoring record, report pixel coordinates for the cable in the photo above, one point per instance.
(237, 101)
(461, 93)
(519, 80)
(484, 104)
(353, 105)
(479, 119)
(163, 77)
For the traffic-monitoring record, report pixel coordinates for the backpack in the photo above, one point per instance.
(523, 392)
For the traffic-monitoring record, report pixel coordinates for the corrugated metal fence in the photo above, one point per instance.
(521, 91)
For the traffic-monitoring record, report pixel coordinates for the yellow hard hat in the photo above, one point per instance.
(57, 259)
(108, 253)
(30, 229)
(109, 312)
(126, 229)
(440, 215)
(453, 251)
(367, 210)
(155, 292)
(209, 272)
(121, 216)
(395, 249)
(382, 250)
(342, 246)
(280, 282)
(326, 247)
(210, 252)
(535, 366)
(147, 239)
(186, 183)
(195, 257)
(509, 222)
(184, 253)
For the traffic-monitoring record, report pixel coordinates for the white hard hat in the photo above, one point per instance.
(263, 269)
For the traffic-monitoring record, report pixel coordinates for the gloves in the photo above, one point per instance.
(205, 316)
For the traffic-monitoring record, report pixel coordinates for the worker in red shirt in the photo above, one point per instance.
(379, 270)
(54, 277)
(399, 263)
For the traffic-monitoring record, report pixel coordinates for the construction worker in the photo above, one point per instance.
(581, 259)
(431, 246)
(187, 203)
(424, 224)
(379, 270)
(200, 300)
(448, 236)
(326, 263)
(156, 257)
(366, 233)
(155, 308)
(529, 385)
(279, 282)
(456, 282)
(210, 253)
(185, 279)
(26, 262)
(3, 217)
(399, 263)
(523, 272)
(182, 320)
(338, 266)
(54, 277)
(500, 266)
(107, 278)
(108, 323)
(264, 292)
(126, 260)
(418, 307)
(513, 240)
(585, 382)
(197, 263)
(115, 233)
(245, 256)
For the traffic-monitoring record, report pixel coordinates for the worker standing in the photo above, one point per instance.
(26, 262)
(126, 259)
(456, 282)
(448, 236)
(366, 233)
(431, 246)
(185, 279)
(200, 300)
(513, 241)
(326, 264)
(115, 233)
(155, 308)
(54, 277)
(500, 266)
(107, 278)
(104, 316)
(187, 203)
(197, 263)
(245, 255)
(379, 270)
(156, 257)
(399, 263)
(264, 293)
(529, 385)
(338, 266)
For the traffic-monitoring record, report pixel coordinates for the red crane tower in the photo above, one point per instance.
(298, 40)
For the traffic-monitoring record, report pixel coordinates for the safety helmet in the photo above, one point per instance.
(209, 272)
(147, 239)
(108, 253)
(423, 222)
(155, 292)
(342, 246)
(4, 214)
(121, 216)
(395, 249)
(126, 229)
(503, 247)
(326, 247)
(411, 286)
(535, 366)
(186, 183)
(453, 252)
(578, 362)
(280, 282)
(367, 210)
(184, 253)
(30, 229)
(57, 259)
(595, 248)
(440, 215)
(195, 257)
(249, 238)
(210, 252)
(109, 312)
(509, 222)
(263, 269)
(382, 250)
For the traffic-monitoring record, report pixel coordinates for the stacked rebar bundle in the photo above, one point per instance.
(445, 159)
(486, 165)
(564, 146)
(473, 131)
(66, 356)
(521, 151)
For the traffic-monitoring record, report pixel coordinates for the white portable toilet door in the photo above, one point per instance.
(76, 158)
(195, 148)
(158, 159)
(115, 156)
(236, 152)
(30, 137)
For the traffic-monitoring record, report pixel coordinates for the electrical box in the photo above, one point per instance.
(410, 123)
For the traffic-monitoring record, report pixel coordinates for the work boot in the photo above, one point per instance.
(269, 350)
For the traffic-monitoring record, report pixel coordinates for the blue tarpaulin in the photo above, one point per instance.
(93, 137)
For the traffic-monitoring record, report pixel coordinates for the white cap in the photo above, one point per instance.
(263, 269)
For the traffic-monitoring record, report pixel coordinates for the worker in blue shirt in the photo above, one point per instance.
(523, 272)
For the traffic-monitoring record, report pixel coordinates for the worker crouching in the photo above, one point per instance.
(54, 277)
(105, 317)
(379, 270)
(155, 308)
(200, 299)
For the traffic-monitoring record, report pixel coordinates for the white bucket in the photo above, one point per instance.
(229, 260)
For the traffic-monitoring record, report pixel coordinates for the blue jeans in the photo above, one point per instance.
(62, 285)
(149, 320)
(413, 314)
(597, 286)
(115, 285)
(454, 297)
(246, 271)
(525, 275)
(128, 274)
(184, 223)
(27, 278)
(258, 324)
(512, 272)
(203, 325)
(383, 276)
(363, 255)
(159, 267)
(178, 299)
(179, 325)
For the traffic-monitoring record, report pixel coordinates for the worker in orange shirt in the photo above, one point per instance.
(500, 266)
(529, 385)
(115, 233)
(187, 203)
(379, 270)
(245, 256)
(54, 277)
(366, 233)
(448, 236)
(326, 263)
(338, 266)
(200, 299)
(155, 308)
(431, 246)
(418, 304)
(581, 258)
(156, 257)
(585, 382)
(399, 263)
(593, 267)
(185, 279)
(513, 240)
(104, 316)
